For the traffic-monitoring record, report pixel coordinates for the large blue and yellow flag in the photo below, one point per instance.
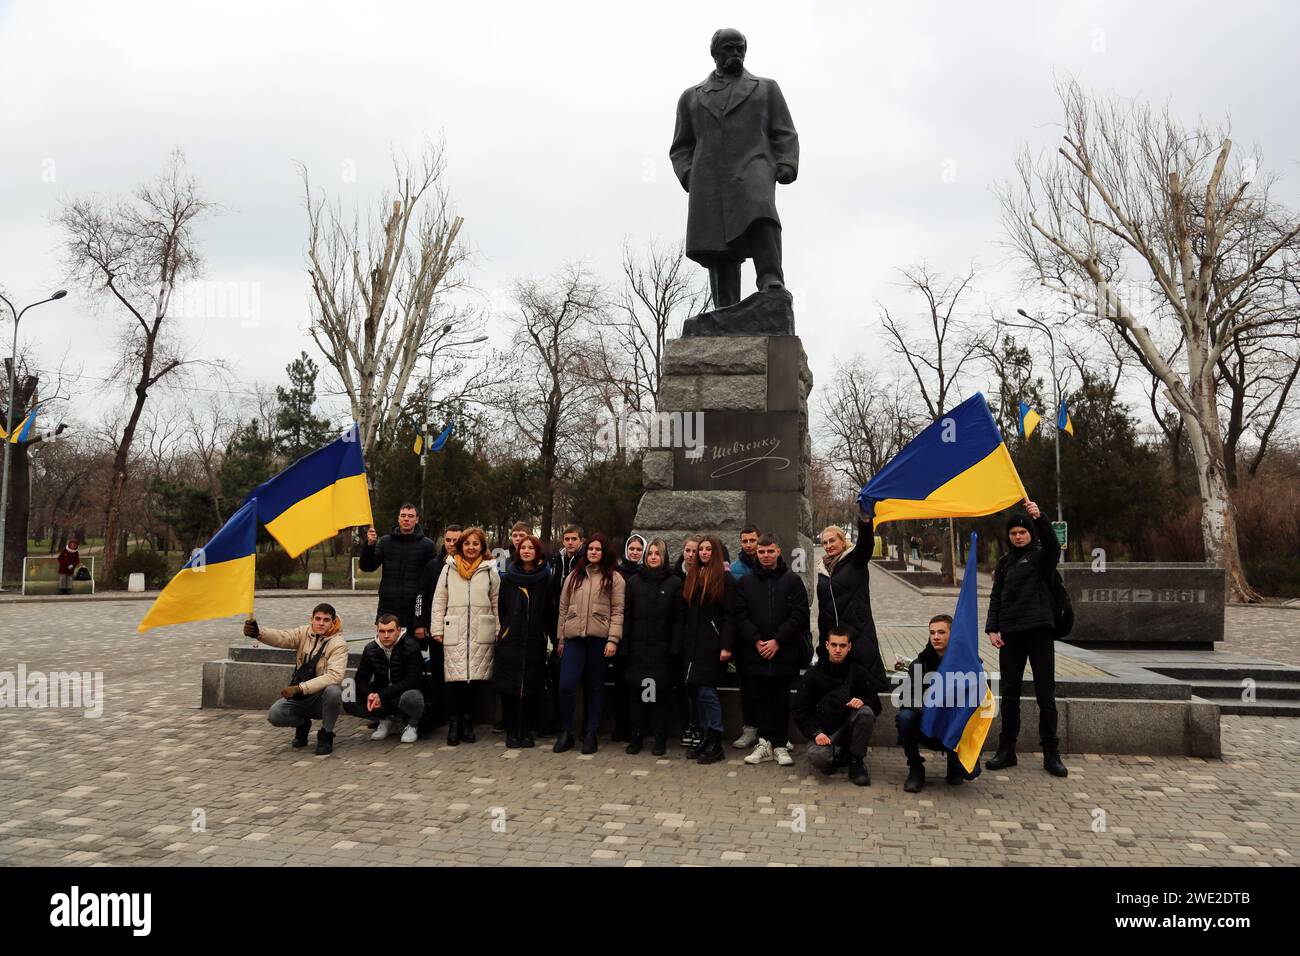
(1029, 419)
(317, 496)
(959, 467)
(962, 718)
(1063, 422)
(217, 581)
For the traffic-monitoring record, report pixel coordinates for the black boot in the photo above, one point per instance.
(453, 731)
(467, 729)
(915, 781)
(300, 735)
(693, 751)
(661, 745)
(1005, 757)
(563, 742)
(634, 744)
(526, 738)
(589, 742)
(956, 774)
(711, 750)
(858, 775)
(1052, 764)
(324, 742)
(512, 735)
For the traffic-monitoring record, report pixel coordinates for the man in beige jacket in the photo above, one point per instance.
(316, 688)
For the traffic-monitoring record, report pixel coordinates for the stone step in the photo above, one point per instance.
(1232, 672)
(1260, 708)
(1232, 689)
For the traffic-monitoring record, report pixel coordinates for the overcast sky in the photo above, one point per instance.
(558, 117)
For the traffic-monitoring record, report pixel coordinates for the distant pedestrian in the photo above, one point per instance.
(69, 558)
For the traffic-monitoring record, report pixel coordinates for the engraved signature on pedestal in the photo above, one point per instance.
(765, 447)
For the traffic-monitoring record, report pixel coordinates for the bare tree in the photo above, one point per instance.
(134, 253)
(937, 356)
(1132, 192)
(377, 291)
(867, 419)
(551, 327)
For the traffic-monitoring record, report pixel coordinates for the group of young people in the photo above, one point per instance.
(665, 631)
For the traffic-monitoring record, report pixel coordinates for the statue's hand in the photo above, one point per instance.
(784, 174)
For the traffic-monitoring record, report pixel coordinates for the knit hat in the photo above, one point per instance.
(1019, 521)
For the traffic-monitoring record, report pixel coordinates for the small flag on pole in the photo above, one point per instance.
(422, 441)
(1029, 419)
(23, 430)
(1063, 421)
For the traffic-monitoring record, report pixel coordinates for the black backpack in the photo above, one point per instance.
(1062, 609)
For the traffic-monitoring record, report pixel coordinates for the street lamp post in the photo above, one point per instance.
(1041, 326)
(9, 423)
(428, 407)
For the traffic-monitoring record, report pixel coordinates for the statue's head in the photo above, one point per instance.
(728, 50)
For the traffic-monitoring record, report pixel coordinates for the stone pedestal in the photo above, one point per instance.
(1140, 604)
(751, 463)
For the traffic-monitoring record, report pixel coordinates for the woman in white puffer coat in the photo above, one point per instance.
(465, 622)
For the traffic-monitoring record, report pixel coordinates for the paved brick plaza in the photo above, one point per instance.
(124, 788)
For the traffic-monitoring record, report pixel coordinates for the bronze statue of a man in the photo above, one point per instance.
(733, 143)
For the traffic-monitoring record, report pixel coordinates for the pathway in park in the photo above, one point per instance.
(156, 780)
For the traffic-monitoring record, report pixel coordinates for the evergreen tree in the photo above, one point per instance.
(297, 428)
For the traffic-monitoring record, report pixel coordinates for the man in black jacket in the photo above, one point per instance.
(566, 556)
(836, 708)
(1021, 624)
(390, 681)
(771, 621)
(403, 554)
(909, 716)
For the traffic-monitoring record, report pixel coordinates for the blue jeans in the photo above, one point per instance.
(583, 656)
(908, 723)
(708, 708)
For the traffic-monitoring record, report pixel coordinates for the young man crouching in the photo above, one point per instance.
(315, 691)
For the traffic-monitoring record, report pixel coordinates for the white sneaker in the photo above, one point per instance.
(410, 734)
(762, 752)
(748, 737)
(783, 756)
(382, 731)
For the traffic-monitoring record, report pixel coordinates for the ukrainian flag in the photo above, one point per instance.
(1029, 419)
(1063, 422)
(217, 581)
(421, 440)
(23, 431)
(959, 467)
(959, 723)
(316, 496)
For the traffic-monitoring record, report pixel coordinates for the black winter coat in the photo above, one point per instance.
(1022, 598)
(821, 703)
(390, 677)
(650, 604)
(403, 558)
(527, 626)
(701, 633)
(771, 605)
(844, 598)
